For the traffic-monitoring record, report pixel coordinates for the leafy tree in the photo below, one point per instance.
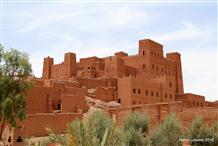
(14, 71)
(168, 132)
(135, 129)
(200, 134)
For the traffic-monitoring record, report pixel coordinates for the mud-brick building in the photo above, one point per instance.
(149, 81)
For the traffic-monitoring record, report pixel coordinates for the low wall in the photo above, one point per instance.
(157, 113)
(35, 124)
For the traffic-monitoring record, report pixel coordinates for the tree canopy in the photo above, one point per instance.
(15, 69)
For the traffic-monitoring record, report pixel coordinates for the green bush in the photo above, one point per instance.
(135, 129)
(97, 130)
(200, 134)
(168, 133)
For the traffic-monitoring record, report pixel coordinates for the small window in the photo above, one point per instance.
(143, 66)
(133, 102)
(139, 91)
(162, 70)
(59, 106)
(157, 94)
(143, 53)
(119, 100)
(171, 96)
(152, 66)
(9, 139)
(170, 84)
(19, 139)
(134, 90)
(146, 92)
(152, 93)
(151, 53)
(165, 95)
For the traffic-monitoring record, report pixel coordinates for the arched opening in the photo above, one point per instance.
(9, 139)
(19, 139)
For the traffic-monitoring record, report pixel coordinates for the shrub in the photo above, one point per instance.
(200, 134)
(135, 129)
(168, 132)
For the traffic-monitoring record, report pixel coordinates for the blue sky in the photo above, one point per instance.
(100, 29)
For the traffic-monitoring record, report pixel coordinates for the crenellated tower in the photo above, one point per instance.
(47, 65)
(176, 57)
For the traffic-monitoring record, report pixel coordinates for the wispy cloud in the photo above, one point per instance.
(186, 31)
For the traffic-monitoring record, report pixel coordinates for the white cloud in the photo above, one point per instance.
(187, 31)
(200, 74)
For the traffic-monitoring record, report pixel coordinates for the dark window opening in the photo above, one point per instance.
(143, 53)
(153, 66)
(9, 139)
(165, 95)
(59, 105)
(134, 90)
(152, 93)
(171, 96)
(133, 102)
(157, 94)
(157, 67)
(139, 91)
(170, 84)
(146, 92)
(201, 104)
(119, 100)
(19, 139)
(143, 66)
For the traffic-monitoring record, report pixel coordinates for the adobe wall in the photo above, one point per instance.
(121, 54)
(158, 111)
(114, 67)
(37, 100)
(139, 90)
(209, 115)
(105, 94)
(99, 82)
(73, 103)
(36, 124)
(191, 100)
(88, 62)
(124, 90)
